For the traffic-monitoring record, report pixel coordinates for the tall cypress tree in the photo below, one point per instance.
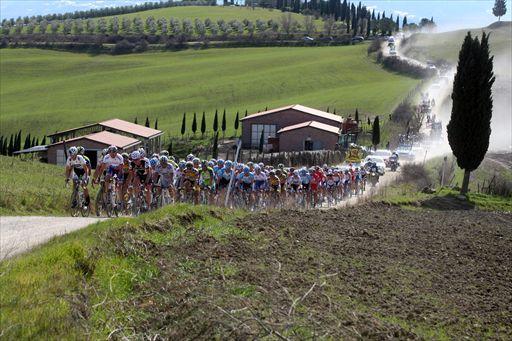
(245, 113)
(397, 24)
(216, 122)
(156, 123)
(404, 22)
(194, 125)
(1, 145)
(376, 132)
(262, 141)
(43, 142)
(469, 128)
(26, 145)
(183, 125)
(237, 123)
(17, 145)
(169, 148)
(203, 125)
(215, 146)
(33, 143)
(135, 121)
(223, 125)
(147, 122)
(356, 116)
(10, 147)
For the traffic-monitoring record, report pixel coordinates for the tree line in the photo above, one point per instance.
(107, 11)
(9, 145)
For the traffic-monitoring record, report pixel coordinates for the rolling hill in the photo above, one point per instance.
(446, 45)
(43, 91)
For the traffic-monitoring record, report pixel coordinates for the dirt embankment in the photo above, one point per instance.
(371, 271)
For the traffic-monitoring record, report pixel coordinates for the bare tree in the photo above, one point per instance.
(287, 23)
(309, 24)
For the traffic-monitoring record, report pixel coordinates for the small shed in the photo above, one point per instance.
(93, 144)
(309, 135)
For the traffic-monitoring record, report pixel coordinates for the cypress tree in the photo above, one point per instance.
(262, 141)
(26, 145)
(37, 142)
(1, 145)
(156, 123)
(237, 123)
(404, 22)
(203, 125)
(369, 122)
(376, 133)
(183, 125)
(17, 145)
(223, 126)
(216, 122)
(245, 113)
(43, 142)
(10, 147)
(135, 121)
(356, 116)
(33, 142)
(215, 146)
(469, 128)
(147, 122)
(397, 24)
(368, 25)
(194, 125)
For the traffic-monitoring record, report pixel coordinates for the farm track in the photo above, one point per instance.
(21, 233)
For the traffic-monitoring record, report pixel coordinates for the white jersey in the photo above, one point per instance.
(164, 171)
(78, 163)
(113, 161)
(260, 177)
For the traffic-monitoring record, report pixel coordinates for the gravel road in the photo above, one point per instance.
(19, 234)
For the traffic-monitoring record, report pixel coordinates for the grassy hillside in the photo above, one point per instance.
(206, 273)
(446, 45)
(32, 188)
(43, 91)
(213, 12)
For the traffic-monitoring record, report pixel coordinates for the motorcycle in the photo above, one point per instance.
(374, 178)
(393, 166)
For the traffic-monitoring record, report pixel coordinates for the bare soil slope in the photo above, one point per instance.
(372, 271)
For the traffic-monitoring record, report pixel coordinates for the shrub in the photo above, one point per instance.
(122, 47)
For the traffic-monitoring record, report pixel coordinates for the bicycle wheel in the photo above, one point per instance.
(98, 205)
(74, 207)
(85, 210)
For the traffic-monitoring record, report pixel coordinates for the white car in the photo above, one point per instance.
(383, 153)
(379, 161)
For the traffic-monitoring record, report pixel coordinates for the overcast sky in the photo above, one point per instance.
(449, 14)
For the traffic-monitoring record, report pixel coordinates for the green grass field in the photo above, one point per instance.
(44, 91)
(213, 12)
(32, 188)
(446, 45)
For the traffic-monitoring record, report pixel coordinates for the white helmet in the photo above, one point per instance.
(73, 151)
(135, 155)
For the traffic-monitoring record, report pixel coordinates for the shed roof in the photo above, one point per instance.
(132, 128)
(34, 149)
(300, 108)
(106, 138)
(313, 124)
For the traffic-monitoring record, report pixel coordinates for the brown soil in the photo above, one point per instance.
(371, 272)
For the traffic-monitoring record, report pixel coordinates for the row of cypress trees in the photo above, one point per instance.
(9, 145)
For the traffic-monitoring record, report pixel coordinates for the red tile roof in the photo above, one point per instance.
(131, 128)
(300, 108)
(106, 138)
(312, 124)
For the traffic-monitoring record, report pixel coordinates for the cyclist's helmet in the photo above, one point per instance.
(261, 164)
(257, 168)
(153, 162)
(272, 173)
(182, 164)
(220, 162)
(246, 169)
(135, 155)
(303, 171)
(164, 159)
(125, 156)
(278, 172)
(190, 157)
(280, 166)
(142, 152)
(295, 172)
(189, 164)
(104, 152)
(204, 162)
(73, 151)
(155, 156)
(196, 161)
(228, 164)
(211, 163)
(112, 149)
(164, 153)
(81, 150)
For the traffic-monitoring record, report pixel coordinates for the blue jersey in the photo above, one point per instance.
(306, 179)
(222, 174)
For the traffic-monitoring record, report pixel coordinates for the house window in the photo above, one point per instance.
(256, 129)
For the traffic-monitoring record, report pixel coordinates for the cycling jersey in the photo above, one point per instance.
(295, 180)
(78, 165)
(190, 174)
(140, 169)
(306, 179)
(115, 161)
(206, 176)
(164, 173)
(260, 180)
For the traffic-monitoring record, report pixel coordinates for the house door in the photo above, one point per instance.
(308, 144)
(93, 156)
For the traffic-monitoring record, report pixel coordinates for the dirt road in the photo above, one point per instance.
(19, 234)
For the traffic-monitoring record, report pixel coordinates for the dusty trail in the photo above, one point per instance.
(20, 233)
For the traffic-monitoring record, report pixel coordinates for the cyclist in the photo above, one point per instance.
(140, 173)
(113, 164)
(260, 179)
(207, 179)
(77, 164)
(165, 173)
(189, 180)
(224, 175)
